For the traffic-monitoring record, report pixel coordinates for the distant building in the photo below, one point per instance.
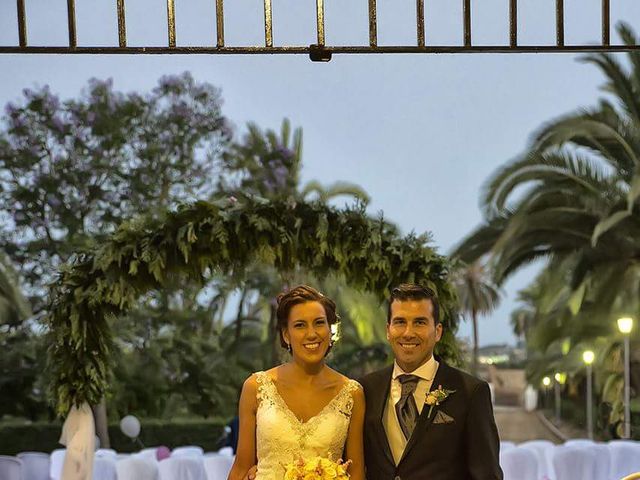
(502, 355)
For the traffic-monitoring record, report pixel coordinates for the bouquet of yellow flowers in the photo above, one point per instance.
(317, 468)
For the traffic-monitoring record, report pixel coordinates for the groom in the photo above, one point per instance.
(425, 419)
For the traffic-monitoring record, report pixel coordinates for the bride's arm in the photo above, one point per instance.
(246, 452)
(354, 449)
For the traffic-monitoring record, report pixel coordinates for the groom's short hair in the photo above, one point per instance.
(414, 291)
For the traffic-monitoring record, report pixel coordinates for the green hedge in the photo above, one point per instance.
(43, 437)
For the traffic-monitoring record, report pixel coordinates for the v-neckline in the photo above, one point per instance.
(286, 407)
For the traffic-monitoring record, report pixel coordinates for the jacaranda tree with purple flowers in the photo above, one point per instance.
(72, 170)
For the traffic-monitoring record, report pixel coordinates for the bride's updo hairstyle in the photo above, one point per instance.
(303, 294)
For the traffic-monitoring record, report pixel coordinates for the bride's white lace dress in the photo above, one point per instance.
(281, 436)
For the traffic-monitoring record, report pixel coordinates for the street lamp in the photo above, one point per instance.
(625, 325)
(560, 379)
(546, 381)
(587, 357)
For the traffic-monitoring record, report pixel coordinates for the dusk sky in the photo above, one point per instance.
(420, 133)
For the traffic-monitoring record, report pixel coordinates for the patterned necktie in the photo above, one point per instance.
(406, 408)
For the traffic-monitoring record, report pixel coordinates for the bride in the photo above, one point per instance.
(302, 409)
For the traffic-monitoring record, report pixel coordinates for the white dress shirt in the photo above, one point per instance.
(426, 372)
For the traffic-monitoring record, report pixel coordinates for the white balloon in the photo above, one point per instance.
(130, 426)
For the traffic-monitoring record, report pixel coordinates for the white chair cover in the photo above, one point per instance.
(104, 469)
(136, 468)
(56, 461)
(542, 450)
(530, 398)
(573, 463)
(519, 464)
(506, 445)
(227, 451)
(147, 454)
(182, 468)
(217, 467)
(35, 465)
(625, 458)
(578, 442)
(10, 468)
(106, 453)
(187, 451)
(602, 456)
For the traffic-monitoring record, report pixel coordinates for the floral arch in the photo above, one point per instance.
(221, 236)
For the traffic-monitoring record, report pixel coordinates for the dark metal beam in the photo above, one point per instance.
(606, 22)
(373, 24)
(513, 23)
(334, 50)
(171, 22)
(71, 21)
(420, 22)
(560, 22)
(220, 23)
(22, 24)
(122, 25)
(466, 13)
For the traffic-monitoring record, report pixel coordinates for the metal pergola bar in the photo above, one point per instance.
(420, 22)
(22, 24)
(560, 23)
(219, 23)
(606, 22)
(122, 26)
(513, 23)
(71, 20)
(320, 21)
(321, 51)
(171, 22)
(268, 24)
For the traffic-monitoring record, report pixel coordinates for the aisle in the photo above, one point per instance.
(517, 425)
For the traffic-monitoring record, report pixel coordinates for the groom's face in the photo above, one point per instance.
(412, 332)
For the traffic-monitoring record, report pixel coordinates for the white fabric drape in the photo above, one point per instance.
(78, 435)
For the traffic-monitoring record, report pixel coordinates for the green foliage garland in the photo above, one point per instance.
(222, 236)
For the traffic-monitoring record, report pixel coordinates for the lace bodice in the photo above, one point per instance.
(281, 436)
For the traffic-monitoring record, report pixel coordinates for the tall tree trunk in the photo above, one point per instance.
(474, 361)
(239, 315)
(100, 419)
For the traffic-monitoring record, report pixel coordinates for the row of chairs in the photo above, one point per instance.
(578, 459)
(184, 463)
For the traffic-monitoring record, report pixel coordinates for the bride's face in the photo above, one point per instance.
(308, 332)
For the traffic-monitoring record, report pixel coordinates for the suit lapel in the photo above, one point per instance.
(424, 421)
(379, 403)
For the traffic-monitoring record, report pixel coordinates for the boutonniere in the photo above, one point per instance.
(436, 397)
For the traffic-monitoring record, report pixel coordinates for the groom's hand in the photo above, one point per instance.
(251, 474)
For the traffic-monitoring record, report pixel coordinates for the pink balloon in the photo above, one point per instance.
(162, 453)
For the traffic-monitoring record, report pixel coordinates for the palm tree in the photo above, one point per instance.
(572, 199)
(14, 307)
(578, 191)
(478, 295)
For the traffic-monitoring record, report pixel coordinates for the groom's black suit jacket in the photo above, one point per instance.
(466, 448)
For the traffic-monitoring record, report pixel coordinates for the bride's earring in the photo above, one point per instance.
(289, 349)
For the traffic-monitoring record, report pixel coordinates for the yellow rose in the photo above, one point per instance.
(431, 400)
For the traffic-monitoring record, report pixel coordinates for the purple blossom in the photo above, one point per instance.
(11, 109)
(53, 200)
(58, 124)
(280, 175)
(34, 150)
(17, 122)
(170, 83)
(284, 153)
